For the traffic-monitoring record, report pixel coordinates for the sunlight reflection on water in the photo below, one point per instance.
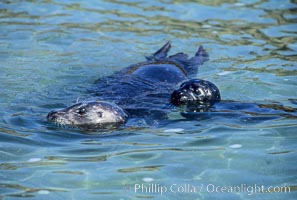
(51, 52)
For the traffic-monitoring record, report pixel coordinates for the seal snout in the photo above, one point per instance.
(52, 115)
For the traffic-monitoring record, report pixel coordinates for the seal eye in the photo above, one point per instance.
(81, 111)
(198, 92)
(100, 114)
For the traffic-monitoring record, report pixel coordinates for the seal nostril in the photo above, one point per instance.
(52, 115)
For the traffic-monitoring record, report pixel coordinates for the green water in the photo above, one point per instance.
(51, 52)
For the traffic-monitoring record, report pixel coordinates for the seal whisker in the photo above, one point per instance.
(77, 99)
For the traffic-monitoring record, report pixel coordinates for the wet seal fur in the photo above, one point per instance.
(140, 90)
(149, 90)
(96, 114)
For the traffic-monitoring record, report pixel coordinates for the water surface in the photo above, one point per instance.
(51, 52)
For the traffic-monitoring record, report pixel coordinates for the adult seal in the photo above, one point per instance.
(142, 90)
(149, 90)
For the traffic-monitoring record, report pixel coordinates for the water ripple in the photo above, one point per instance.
(51, 52)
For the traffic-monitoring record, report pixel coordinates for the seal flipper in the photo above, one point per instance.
(200, 57)
(179, 57)
(161, 53)
(190, 65)
(193, 63)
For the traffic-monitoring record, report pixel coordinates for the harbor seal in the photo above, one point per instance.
(140, 90)
(151, 89)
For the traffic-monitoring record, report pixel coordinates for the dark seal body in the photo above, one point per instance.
(145, 88)
(140, 90)
(150, 89)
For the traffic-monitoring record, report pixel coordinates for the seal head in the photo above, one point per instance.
(196, 92)
(89, 115)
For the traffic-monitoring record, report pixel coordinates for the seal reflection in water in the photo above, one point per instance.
(89, 115)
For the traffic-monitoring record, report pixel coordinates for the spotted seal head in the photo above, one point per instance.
(197, 92)
(94, 114)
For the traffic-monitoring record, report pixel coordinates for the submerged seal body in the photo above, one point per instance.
(149, 90)
(140, 90)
